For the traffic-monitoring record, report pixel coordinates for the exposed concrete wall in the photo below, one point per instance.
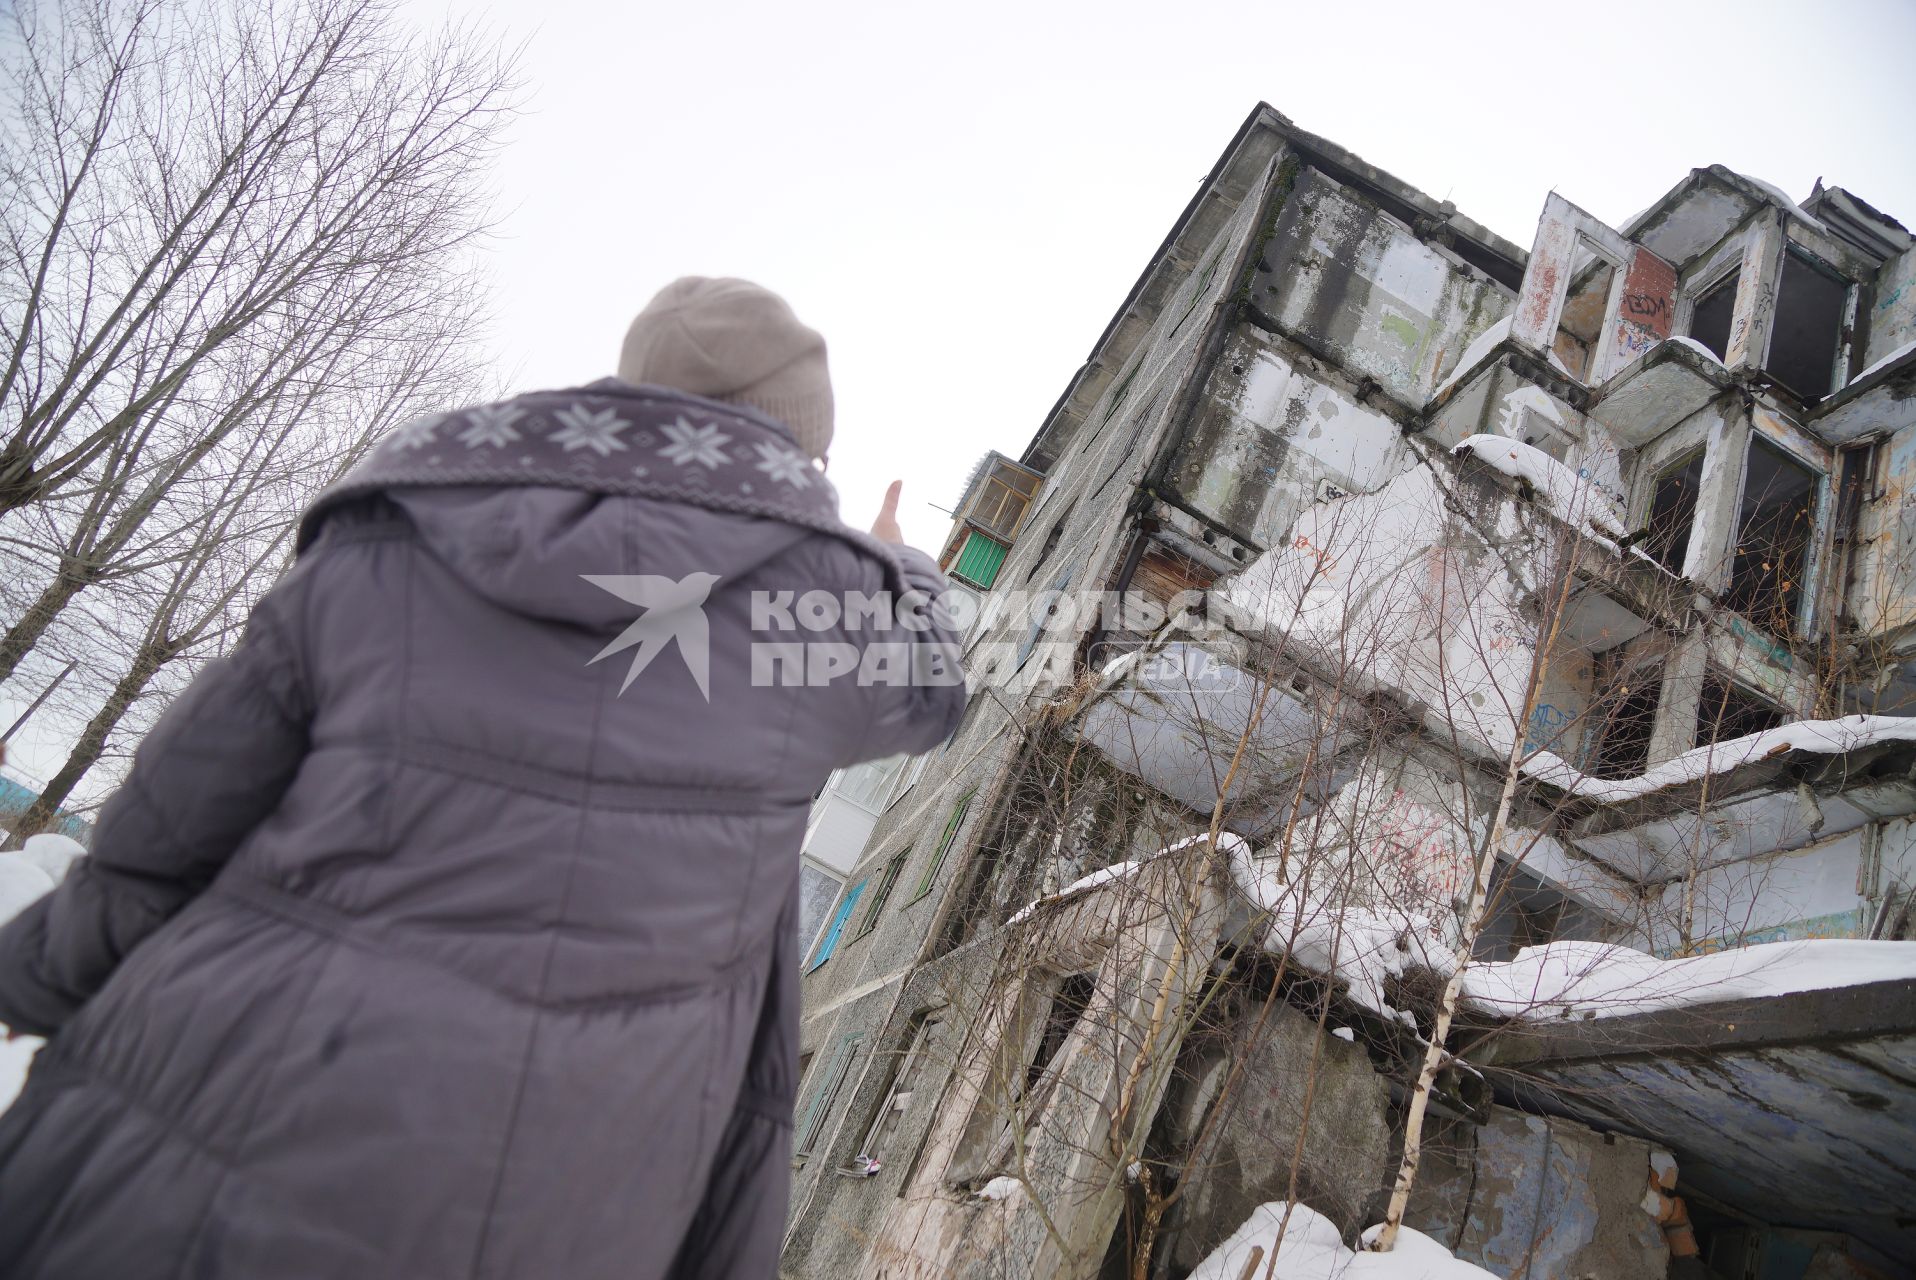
(1892, 317)
(1347, 1143)
(1524, 1196)
(1360, 288)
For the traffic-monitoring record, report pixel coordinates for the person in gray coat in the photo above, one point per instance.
(445, 927)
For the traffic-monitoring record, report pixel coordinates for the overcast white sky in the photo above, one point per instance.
(959, 197)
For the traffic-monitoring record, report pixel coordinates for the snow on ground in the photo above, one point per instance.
(25, 877)
(1570, 497)
(1311, 1249)
(52, 853)
(1595, 980)
(1825, 737)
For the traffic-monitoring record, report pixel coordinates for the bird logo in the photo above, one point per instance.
(674, 611)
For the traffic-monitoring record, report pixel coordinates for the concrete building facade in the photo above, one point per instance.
(1371, 560)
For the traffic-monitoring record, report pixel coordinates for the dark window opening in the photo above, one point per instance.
(1774, 523)
(1710, 319)
(1623, 746)
(1807, 327)
(1067, 1007)
(1011, 1096)
(1726, 711)
(1672, 512)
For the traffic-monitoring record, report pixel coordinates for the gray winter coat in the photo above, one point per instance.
(413, 947)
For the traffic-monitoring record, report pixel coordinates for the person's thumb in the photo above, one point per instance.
(885, 527)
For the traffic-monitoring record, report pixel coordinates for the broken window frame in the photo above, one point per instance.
(902, 1083)
(1715, 676)
(1021, 1077)
(1644, 674)
(1680, 460)
(1845, 324)
(1726, 275)
(1600, 361)
(1804, 614)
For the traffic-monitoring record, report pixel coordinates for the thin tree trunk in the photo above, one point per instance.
(24, 634)
(87, 751)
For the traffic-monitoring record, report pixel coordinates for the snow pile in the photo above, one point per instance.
(1374, 586)
(999, 1188)
(25, 877)
(1882, 364)
(1699, 348)
(1103, 875)
(1363, 945)
(15, 1057)
(1479, 348)
(1476, 351)
(1824, 737)
(1781, 197)
(22, 884)
(1312, 1249)
(1226, 841)
(1595, 980)
(1569, 497)
(52, 853)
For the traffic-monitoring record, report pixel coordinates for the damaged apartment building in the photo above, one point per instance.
(1379, 590)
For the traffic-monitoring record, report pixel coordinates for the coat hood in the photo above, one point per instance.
(523, 497)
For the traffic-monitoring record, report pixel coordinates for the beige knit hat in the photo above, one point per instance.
(731, 340)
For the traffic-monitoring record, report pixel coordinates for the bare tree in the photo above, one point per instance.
(187, 607)
(221, 218)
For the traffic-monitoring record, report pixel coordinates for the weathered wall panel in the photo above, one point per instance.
(1355, 284)
(1269, 439)
(1892, 317)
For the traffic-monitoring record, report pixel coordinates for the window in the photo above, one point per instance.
(1002, 498)
(979, 559)
(1774, 524)
(1710, 318)
(946, 839)
(1585, 304)
(1807, 328)
(1672, 512)
(828, 943)
(1623, 744)
(910, 1071)
(885, 883)
(817, 891)
(1073, 997)
(1726, 711)
(811, 1123)
(868, 785)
